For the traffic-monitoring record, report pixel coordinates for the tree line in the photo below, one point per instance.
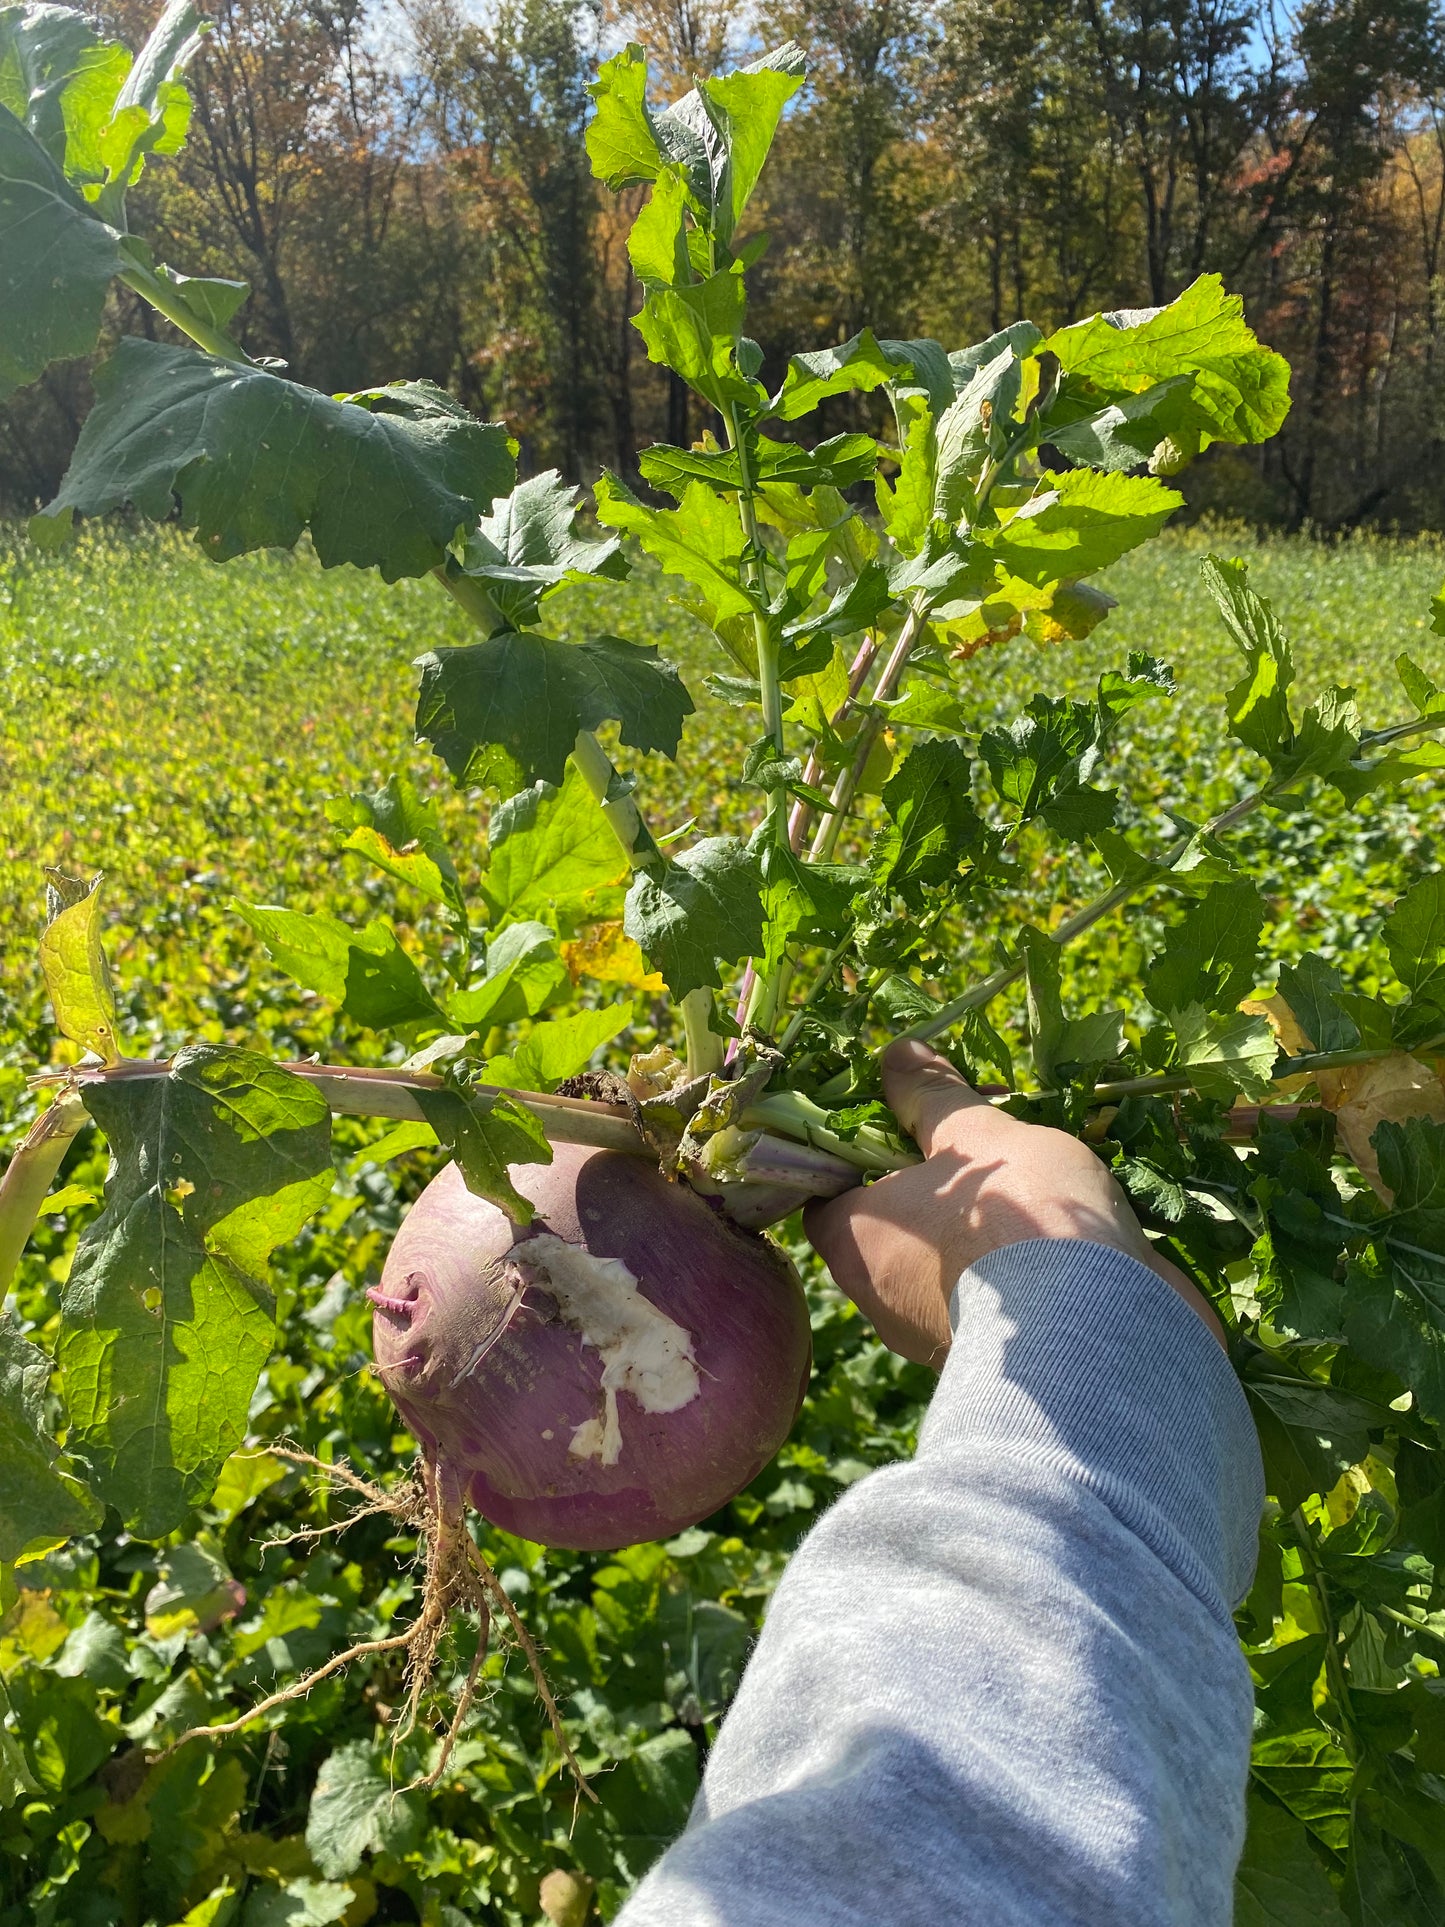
(407, 193)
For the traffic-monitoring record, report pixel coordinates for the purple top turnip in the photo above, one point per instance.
(612, 1372)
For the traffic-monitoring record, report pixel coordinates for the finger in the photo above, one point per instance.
(924, 1090)
(828, 1224)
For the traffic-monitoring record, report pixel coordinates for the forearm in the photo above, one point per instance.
(1001, 1682)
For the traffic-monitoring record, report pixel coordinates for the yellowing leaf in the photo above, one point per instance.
(1286, 1027)
(608, 956)
(1364, 1096)
(76, 973)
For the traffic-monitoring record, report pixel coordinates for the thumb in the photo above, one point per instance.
(924, 1090)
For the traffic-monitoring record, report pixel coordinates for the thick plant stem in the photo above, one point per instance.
(845, 789)
(177, 310)
(704, 1049)
(29, 1176)
(802, 814)
(1305, 1065)
(764, 637)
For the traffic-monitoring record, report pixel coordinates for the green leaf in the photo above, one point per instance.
(694, 329)
(1415, 938)
(355, 1810)
(1125, 433)
(298, 1902)
(857, 605)
(1311, 1776)
(399, 830)
(1312, 988)
(366, 971)
(1395, 1320)
(702, 540)
(1281, 1880)
(526, 549)
(152, 111)
(932, 823)
(213, 299)
(657, 245)
(1081, 521)
(1210, 958)
(837, 463)
(802, 901)
(1239, 391)
(979, 421)
(16, 1779)
(485, 1132)
(552, 854)
(74, 966)
(705, 907)
(524, 973)
(906, 505)
(621, 143)
(1224, 1054)
(1258, 706)
(384, 479)
(60, 79)
(558, 1049)
(40, 1496)
(1063, 1047)
(856, 367)
(56, 261)
(927, 707)
(505, 711)
(744, 108)
(166, 1319)
(1426, 698)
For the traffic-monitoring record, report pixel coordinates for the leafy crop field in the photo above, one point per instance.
(181, 728)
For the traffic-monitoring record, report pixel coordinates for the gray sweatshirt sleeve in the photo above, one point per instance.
(1000, 1684)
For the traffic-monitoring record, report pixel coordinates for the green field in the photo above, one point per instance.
(180, 727)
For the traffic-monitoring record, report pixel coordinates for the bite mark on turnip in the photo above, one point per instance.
(643, 1351)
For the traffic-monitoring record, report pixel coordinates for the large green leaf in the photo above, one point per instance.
(1281, 1881)
(1063, 1047)
(166, 1320)
(1081, 521)
(621, 140)
(366, 971)
(386, 479)
(856, 366)
(507, 710)
(552, 854)
(40, 1497)
(838, 462)
(706, 906)
(743, 109)
(524, 973)
(1224, 1054)
(695, 329)
(932, 823)
(61, 79)
(527, 548)
(56, 261)
(701, 540)
(1209, 958)
(1239, 391)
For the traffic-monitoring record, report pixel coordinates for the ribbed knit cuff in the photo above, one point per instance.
(1083, 1359)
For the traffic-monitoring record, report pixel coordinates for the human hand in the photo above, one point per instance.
(898, 1247)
